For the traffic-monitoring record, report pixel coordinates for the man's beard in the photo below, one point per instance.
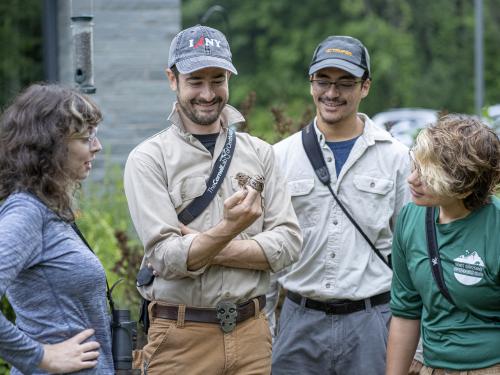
(201, 119)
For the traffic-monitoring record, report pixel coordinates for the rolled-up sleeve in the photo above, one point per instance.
(154, 217)
(281, 238)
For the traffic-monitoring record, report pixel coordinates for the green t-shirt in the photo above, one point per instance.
(469, 249)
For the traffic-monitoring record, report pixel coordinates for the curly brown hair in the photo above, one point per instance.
(459, 156)
(33, 140)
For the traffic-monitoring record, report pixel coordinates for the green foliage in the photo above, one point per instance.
(104, 221)
(20, 46)
(422, 53)
(9, 314)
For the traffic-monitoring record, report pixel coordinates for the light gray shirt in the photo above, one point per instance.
(336, 261)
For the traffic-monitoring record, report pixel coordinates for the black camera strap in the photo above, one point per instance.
(108, 289)
(198, 205)
(123, 332)
(435, 260)
(145, 275)
(432, 250)
(315, 156)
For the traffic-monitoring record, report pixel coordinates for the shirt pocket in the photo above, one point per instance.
(374, 198)
(304, 204)
(185, 191)
(374, 185)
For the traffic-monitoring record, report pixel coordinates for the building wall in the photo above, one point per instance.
(131, 42)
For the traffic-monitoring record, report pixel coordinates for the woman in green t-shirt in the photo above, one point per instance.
(456, 170)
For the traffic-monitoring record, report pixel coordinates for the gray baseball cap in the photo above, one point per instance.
(343, 52)
(200, 47)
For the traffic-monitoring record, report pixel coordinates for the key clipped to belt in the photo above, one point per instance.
(227, 313)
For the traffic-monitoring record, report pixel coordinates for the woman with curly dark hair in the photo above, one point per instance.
(446, 253)
(55, 284)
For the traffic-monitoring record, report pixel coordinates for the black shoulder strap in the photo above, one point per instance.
(437, 270)
(219, 171)
(315, 156)
(432, 249)
(108, 290)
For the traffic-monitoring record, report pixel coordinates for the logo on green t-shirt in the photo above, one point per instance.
(468, 268)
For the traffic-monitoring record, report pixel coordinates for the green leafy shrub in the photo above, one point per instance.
(9, 314)
(104, 220)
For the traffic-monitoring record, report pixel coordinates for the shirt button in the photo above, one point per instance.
(333, 255)
(327, 285)
(335, 222)
(372, 184)
(329, 159)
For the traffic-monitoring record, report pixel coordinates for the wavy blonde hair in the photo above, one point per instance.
(459, 156)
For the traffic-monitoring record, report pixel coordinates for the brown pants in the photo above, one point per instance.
(493, 370)
(177, 347)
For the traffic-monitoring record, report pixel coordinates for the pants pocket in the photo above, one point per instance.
(157, 339)
(384, 314)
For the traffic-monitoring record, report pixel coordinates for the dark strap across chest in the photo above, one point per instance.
(219, 171)
(315, 156)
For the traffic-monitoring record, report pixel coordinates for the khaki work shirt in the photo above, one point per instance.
(165, 173)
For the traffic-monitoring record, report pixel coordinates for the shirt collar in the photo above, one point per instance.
(371, 133)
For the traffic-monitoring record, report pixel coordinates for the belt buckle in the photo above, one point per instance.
(227, 312)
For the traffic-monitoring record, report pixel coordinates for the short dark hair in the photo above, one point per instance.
(33, 140)
(175, 71)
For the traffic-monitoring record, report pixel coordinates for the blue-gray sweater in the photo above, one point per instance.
(55, 284)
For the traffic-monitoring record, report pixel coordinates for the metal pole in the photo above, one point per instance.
(478, 56)
(50, 49)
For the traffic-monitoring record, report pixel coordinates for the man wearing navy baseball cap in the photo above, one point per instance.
(214, 216)
(336, 312)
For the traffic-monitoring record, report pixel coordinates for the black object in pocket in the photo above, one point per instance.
(145, 276)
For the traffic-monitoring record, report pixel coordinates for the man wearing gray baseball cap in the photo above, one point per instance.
(347, 181)
(214, 216)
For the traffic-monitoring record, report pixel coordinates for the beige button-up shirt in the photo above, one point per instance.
(336, 261)
(165, 173)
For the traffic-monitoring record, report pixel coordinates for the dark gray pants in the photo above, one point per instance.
(311, 342)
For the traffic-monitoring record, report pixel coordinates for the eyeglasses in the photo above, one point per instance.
(90, 138)
(342, 85)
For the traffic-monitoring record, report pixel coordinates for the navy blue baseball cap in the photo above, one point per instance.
(200, 47)
(343, 52)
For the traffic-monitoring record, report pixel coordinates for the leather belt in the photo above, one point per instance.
(340, 307)
(207, 315)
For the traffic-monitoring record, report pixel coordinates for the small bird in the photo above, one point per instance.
(242, 179)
